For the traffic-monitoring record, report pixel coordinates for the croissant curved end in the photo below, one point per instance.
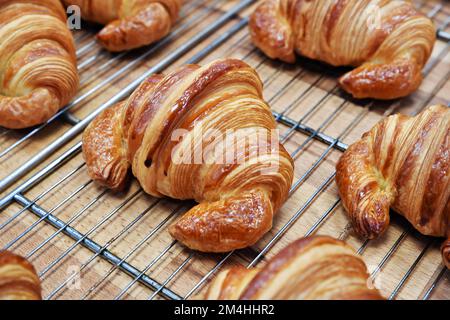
(234, 223)
(147, 26)
(18, 278)
(383, 81)
(271, 34)
(366, 198)
(370, 218)
(103, 149)
(374, 220)
(28, 110)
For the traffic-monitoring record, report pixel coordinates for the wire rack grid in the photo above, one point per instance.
(89, 243)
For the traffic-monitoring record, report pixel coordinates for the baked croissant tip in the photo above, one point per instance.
(387, 168)
(375, 229)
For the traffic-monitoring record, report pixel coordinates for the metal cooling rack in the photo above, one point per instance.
(50, 226)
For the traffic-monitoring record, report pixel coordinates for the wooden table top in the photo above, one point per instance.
(133, 226)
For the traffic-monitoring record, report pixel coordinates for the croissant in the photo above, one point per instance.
(403, 163)
(130, 24)
(18, 278)
(314, 268)
(38, 73)
(388, 41)
(202, 133)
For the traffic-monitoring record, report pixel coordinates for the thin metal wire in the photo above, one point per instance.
(55, 208)
(209, 274)
(312, 197)
(132, 251)
(86, 48)
(434, 284)
(281, 116)
(291, 221)
(279, 68)
(40, 175)
(172, 275)
(41, 196)
(93, 246)
(303, 94)
(286, 87)
(91, 230)
(68, 223)
(316, 132)
(104, 247)
(410, 271)
(186, 11)
(388, 255)
(148, 267)
(319, 222)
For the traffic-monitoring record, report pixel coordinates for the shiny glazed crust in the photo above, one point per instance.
(403, 163)
(388, 41)
(38, 73)
(18, 278)
(315, 268)
(237, 198)
(130, 24)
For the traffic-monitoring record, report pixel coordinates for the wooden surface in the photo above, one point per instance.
(142, 214)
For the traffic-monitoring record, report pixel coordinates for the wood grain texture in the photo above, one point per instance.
(306, 98)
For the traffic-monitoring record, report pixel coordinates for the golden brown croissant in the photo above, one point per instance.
(315, 268)
(38, 73)
(18, 278)
(130, 24)
(402, 163)
(387, 40)
(191, 135)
